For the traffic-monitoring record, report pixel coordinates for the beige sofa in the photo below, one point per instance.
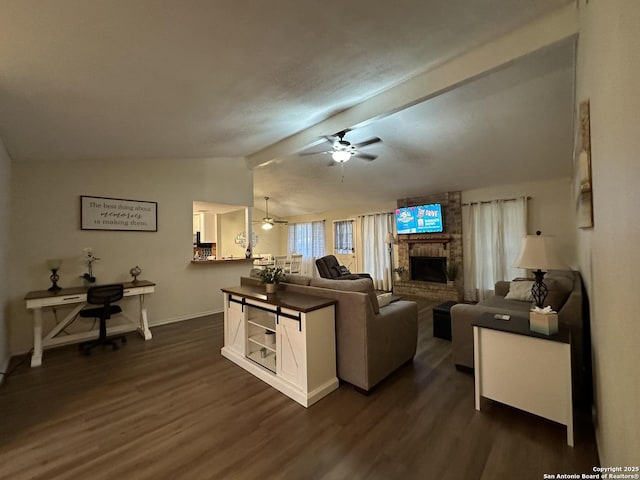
(565, 296)
(371, 341)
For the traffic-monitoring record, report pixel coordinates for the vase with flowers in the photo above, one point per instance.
(271, 276)
(89, 260)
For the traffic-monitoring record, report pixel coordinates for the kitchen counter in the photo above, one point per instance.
(223, 260)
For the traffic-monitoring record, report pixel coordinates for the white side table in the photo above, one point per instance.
(524, 369)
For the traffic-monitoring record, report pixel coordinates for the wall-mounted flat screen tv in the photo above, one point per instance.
(420, 219)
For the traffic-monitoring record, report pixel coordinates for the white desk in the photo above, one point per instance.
(524, 369)
(77, 296)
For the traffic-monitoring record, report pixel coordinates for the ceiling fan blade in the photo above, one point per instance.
(365, 156)
(280, 221)
(367, 142)
(315, 153)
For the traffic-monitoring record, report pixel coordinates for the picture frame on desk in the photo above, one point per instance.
(118, 214)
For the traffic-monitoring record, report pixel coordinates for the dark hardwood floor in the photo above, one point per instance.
(174, 408)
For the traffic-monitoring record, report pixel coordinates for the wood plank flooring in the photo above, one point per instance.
(174, 408)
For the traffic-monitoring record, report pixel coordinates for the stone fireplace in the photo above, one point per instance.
(426, 256)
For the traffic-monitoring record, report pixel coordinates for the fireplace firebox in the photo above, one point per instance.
(429, 269)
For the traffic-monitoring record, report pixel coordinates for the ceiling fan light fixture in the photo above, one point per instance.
(341, 156)
(267, 226)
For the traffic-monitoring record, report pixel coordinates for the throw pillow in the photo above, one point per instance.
(520, 291)
(384, 299)
(559, 290)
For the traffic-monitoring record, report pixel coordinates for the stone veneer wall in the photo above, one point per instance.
(447, 244)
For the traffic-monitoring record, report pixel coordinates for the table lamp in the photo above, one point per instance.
(538, 254)
(54, 265)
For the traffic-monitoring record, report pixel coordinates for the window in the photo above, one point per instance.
(343, 236)
(307, 239)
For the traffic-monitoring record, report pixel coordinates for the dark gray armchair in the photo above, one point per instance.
(328, 267)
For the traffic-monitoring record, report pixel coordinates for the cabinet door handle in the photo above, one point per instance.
(71, 298)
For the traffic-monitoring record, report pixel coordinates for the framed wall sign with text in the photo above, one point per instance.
(100, 213)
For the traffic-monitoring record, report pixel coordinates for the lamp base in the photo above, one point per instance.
(54, 281)
(539, 290)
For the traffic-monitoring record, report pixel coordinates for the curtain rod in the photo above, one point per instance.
(496, 200)
(376, 213)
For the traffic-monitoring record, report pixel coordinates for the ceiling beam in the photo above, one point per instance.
(536, 35)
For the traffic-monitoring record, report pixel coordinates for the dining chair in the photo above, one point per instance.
(280, 261)
(295, 266)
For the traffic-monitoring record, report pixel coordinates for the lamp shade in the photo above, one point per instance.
(538, 253)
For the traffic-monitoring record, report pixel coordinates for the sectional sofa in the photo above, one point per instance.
(372, 341)
(565, 296)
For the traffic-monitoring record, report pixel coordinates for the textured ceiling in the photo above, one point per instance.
(134, 79)
(511, 126)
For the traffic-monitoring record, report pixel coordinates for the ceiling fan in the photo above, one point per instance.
(267, 221)
(341, 150)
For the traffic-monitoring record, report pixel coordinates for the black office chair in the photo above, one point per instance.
(103, 295)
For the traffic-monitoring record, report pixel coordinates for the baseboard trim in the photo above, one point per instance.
(182, 318)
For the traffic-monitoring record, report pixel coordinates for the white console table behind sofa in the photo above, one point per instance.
(301, 363)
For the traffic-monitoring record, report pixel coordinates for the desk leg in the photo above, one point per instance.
(144, 321)
(476, 364)
(36, 358)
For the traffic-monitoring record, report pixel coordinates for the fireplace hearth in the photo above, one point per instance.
(428, 269)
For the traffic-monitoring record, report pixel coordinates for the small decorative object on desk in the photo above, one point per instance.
(135, 271)
(543, 320)
(54, 265)
(270, 276)
(89, 260)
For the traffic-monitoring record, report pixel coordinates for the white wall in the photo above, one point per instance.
(551, 209)
(231, 224)
(46, 224)
(608, 69)
(5, 228)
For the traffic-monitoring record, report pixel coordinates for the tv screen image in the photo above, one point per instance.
(420, 219)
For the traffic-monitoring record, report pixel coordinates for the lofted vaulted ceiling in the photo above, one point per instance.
(140, 79)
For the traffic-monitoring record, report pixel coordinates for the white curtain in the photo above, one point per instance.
(373, 251)
(307, 239)
(492, 236)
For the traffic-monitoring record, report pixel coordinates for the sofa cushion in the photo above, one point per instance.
(295, 279)
(363, 285)
(520, 291)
